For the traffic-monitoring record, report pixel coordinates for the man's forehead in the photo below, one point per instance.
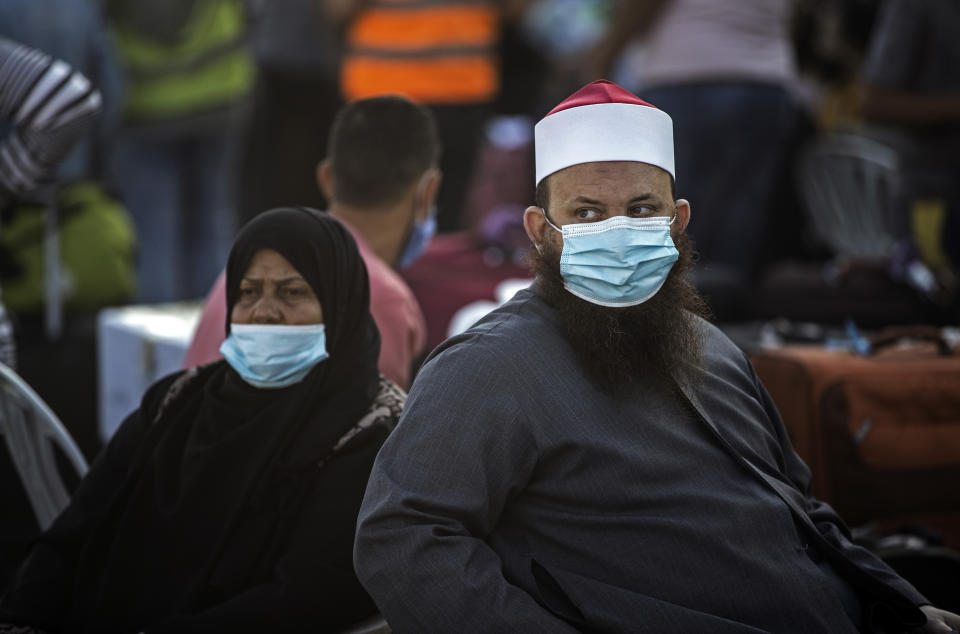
(610, 178)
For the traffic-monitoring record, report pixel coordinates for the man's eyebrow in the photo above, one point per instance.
(642, 198)
(588, 201)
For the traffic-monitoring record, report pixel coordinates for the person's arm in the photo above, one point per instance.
(461, 452)
(894, 58)
(901, 107)
(630, 19)
(50, 107)
(835, 531)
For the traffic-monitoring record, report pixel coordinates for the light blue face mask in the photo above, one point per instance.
(419, 239)
(274, 356)
(617, 262)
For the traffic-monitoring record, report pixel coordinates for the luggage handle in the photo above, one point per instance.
(894, 334)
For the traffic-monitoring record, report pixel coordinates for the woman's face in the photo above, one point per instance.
(273, 292)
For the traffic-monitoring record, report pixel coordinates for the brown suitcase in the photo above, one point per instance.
(881, 433)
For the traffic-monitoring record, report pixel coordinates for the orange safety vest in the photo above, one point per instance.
(431, 51)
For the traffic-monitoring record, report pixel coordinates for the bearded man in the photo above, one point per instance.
(594, 455)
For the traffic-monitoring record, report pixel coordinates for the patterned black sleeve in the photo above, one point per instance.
(50, 107)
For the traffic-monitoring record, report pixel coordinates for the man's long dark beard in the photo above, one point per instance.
(656, 341)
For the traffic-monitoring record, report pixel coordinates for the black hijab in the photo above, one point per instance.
(221, 448)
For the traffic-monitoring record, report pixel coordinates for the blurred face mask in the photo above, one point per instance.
(617, 262)
(273, 356)
(419, 239)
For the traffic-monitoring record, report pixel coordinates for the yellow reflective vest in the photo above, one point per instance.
(207, 67)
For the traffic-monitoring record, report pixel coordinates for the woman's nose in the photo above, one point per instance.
(267, 311)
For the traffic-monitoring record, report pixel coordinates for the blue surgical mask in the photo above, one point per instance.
(272, 355)
(419, 239)
(617, 262)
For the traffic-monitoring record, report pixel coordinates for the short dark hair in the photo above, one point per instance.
(542, 195)
(378, 148)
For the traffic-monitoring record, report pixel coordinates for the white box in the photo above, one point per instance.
(136, 345)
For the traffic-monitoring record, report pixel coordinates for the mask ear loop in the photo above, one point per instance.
(553, 226)
(557, 229)
(547, 218)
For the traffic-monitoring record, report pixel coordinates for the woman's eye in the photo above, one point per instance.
(295, 292)
(247, 292)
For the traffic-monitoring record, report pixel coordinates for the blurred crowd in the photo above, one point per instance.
(391, 145)
(815, 139)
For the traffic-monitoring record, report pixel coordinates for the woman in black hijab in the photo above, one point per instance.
(228, 500)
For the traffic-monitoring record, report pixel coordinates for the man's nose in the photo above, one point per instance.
(267, 311)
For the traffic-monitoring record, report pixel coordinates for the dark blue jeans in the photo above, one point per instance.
(177, 191)
(731, 144)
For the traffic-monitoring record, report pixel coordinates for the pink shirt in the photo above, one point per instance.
(403, 331)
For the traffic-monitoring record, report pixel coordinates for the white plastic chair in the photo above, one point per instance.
(31, 430)
(848, 182)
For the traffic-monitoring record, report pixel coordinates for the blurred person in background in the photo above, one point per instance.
(80, 193)
(187, 69)
(95, 234)
(912, 87)
(95, 238)
(830, 39)
(723, 69)
(464, 272)
(381, 178)
(296, 94)
(227, 502)
(441, 54)
(583, 25)
(46, 107)
(73, 31)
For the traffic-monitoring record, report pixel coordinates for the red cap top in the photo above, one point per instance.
(600, 91)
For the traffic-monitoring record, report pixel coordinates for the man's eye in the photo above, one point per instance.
(586, 213)
(642, 210)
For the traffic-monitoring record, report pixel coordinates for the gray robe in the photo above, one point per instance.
(516, 496)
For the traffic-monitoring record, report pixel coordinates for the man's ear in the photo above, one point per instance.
(683, 214)
(430, 186)
(325, 178)
(534, 224)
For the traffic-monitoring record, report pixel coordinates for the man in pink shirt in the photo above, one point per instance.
(382, 179)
